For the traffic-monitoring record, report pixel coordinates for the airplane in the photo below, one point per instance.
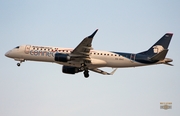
(84, 58)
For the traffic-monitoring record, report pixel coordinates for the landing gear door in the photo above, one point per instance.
(27, 49)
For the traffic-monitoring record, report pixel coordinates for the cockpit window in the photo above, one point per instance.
(17, 47)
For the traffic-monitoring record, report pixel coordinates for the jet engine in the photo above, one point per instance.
(70, 70)
(61, 57)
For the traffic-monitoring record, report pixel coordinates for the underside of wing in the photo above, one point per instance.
(103, 72)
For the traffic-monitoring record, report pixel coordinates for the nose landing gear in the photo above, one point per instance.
(19, 63)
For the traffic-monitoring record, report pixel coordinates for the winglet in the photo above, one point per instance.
(91, 36)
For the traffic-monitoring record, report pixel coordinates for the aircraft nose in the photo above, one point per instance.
(7, 54)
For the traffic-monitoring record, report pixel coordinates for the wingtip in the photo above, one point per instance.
(92, 35)
(96, 31)
(169, 33)
(113, 71)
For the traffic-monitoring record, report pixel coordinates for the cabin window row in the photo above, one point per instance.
(104, 54)
(67, 51)
(52, 50)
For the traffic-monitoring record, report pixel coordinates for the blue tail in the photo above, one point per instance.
(159, 50)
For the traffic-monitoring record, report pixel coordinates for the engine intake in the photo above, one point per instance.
(70, 70)
(61, 57)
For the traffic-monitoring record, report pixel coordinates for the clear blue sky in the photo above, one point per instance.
(41, 89)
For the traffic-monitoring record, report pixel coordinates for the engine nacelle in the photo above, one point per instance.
(61, 57)
(70, 70)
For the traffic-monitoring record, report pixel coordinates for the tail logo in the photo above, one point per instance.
(158, 48)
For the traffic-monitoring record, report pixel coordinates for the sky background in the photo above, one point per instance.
(41, 89)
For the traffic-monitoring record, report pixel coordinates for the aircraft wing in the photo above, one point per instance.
(103, 72)
(83, 49)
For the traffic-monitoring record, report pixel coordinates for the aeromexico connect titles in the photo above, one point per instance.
(83, 58)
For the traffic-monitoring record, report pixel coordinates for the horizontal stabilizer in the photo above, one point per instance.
(166, 61)
(169, 64)
(160, 56)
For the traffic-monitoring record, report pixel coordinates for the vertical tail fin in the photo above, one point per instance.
(160, 46)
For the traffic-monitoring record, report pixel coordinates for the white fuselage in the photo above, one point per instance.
(46, 54)
(84, 58)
